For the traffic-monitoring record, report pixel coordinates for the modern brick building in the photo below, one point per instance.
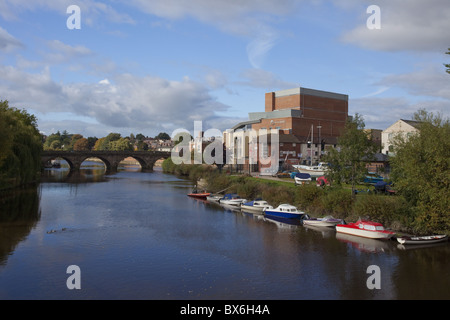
(295, 111)
(309, 121)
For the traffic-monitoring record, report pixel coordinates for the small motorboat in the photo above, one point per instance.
(327, 221)
(366, 229)
(423, 240)
(256, 206)
(285, 211)
(232, 199)
(214, 197)
(302, 178)
(199, 195)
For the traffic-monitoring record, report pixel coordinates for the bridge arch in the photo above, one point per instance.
(111, 159)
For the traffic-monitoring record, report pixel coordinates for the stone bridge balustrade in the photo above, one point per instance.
(111, 158)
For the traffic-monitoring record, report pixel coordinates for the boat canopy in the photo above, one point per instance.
(303, 175)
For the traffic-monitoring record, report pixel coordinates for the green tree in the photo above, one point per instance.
(122, 144)
(99, 144)
(163, 136)
(420, 171)
(20, 155)
(348, 161)
(50, 141)
(91, 142)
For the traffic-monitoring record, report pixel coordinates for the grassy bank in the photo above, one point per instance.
(392, 211)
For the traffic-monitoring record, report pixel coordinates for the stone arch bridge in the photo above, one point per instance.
(111, 158)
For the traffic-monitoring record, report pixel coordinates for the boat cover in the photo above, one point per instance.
(303, 175)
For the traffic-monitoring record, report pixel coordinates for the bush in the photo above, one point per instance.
(390, 211)
(307, 196)
(337, 202)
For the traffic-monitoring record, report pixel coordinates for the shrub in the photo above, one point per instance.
(387, 210)
(307, 196)
(337, 202)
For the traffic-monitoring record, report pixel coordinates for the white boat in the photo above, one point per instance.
(285, 211)
(232, 199)
(256, 206)
(327, 221)
(366, 229)
(214, 198)
(314, 171)
(423, 239)
(301, 178)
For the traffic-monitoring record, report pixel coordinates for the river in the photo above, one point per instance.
(136, 235)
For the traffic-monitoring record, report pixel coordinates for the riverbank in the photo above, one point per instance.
(393, 212)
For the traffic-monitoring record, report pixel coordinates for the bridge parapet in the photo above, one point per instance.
(111, 158)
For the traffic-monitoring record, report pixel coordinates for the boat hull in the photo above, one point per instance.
(252, 209)
(198, 195)
(233, 202)
(213, 198)
(321, 222)
(286, 215)
(364, 233)
(422, 240)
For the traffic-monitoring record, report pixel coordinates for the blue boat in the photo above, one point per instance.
(372, 178)
(285, 211)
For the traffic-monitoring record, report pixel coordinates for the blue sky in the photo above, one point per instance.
(151, 66)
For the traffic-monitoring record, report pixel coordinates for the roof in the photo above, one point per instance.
(244, 123)
(413, 123)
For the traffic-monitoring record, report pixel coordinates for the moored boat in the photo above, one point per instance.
(423, 239)
(301, 178)
(285, 211)
(327, 221)
(366, 229)
(199, 195)
(232, 199)
(214, 197)
(314, 171)
(256, 206)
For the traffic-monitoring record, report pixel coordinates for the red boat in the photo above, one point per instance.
(366, 229)
(199, 195)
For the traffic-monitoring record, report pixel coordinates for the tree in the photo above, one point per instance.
(348, 161)
(51, 140)
(21, 146)
(81, 144)
(122, 144)
(91, 142)
(162, 136)
(447, 65)
(421, 171)
(99, 144)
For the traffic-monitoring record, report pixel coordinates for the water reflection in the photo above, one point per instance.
(138, 236)
(19, 214)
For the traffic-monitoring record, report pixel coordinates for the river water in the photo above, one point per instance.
(136, 235)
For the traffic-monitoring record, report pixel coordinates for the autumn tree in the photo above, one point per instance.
(81, 144)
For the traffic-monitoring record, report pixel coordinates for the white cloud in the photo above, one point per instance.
(126, 101)
(405, 25)
(7, 42)
(92, 11)
(429, 81)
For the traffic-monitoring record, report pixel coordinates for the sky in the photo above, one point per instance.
(161, 65)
